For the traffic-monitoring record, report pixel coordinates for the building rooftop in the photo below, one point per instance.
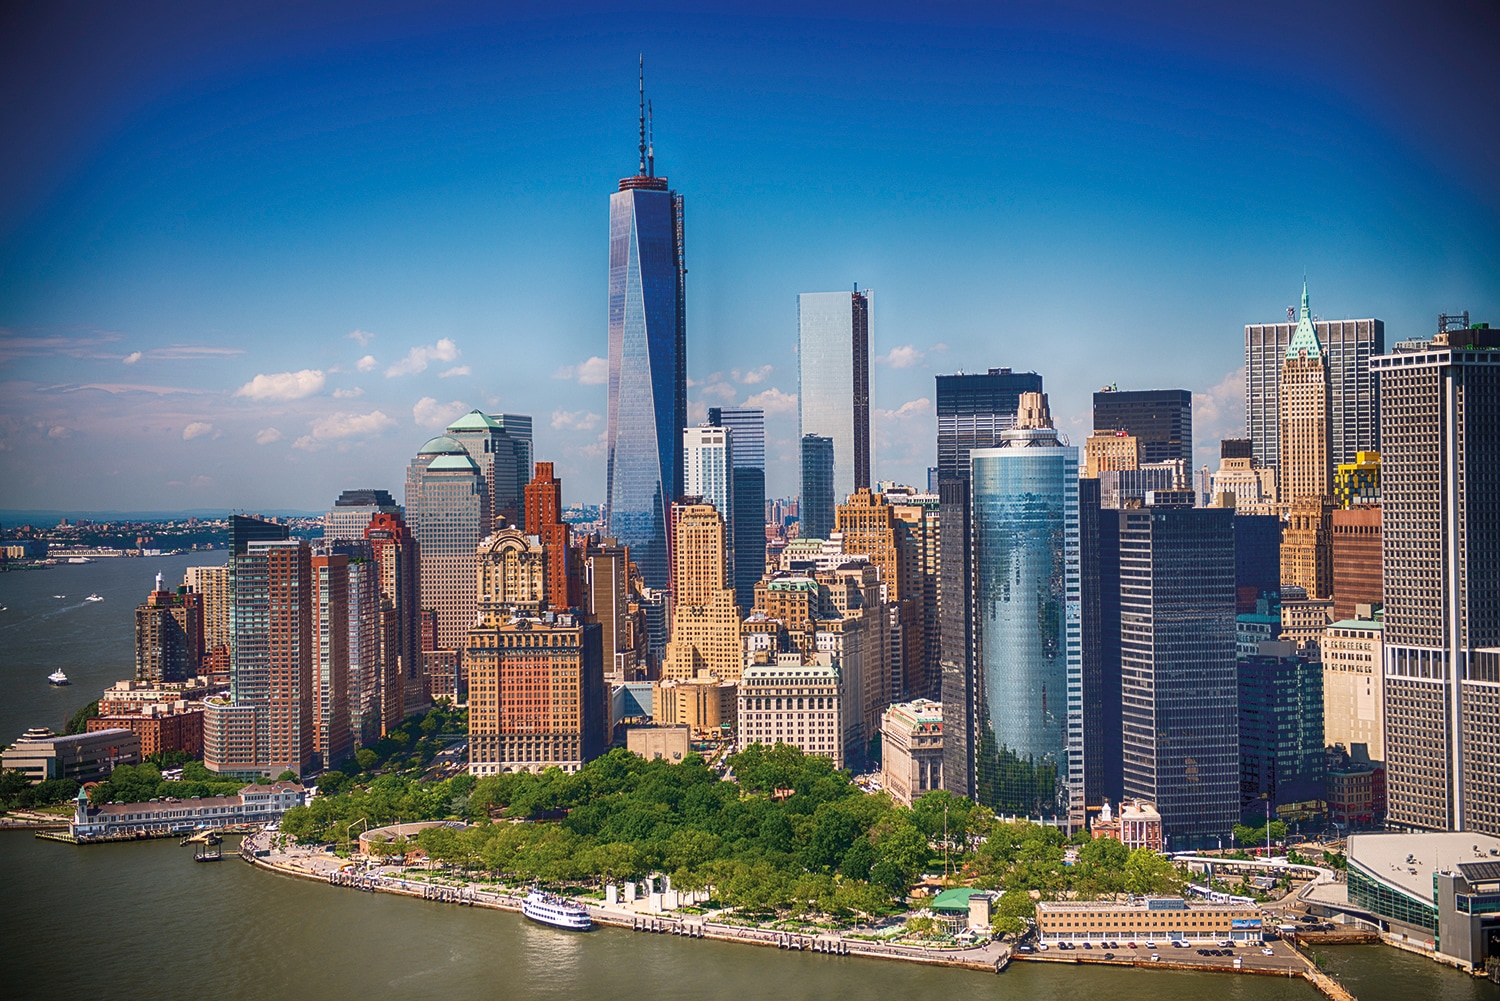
(954, 899)
(476, 420)
(1375, 624)
(1141, 904)
(1408, 861)
(460, 463)
(441, 445)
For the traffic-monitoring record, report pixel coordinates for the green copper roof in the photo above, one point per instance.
(1305, 338)
(459, 462)
(954, 899)
(475, 420)
(441, 445)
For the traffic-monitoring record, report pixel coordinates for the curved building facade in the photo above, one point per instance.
(1028, 730)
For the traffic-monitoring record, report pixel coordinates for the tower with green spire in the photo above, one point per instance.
(1304, 476)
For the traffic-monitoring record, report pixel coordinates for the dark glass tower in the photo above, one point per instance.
(748, 427)
(1161, 419)
(815, 509)
(647, 363)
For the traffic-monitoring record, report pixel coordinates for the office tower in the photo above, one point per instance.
(972, 412)
(815, 507)
(518, 428)
(537, 696)
(448, 510)
(267, 724)
(1281, 729)
(353, 510)
(1099, 636)
(748, 426)
(1028, 723)
(708, 473)
(396, 553)
(1440, 505)
(168, 635)
(544, 520)
(505, 462)
(833, 380)
(1179, 689)
(364, 644)
(607, 601)
(1307, 547)
(211, 584)
(1353, 689)
(1120, 488)
(1113, 450)
(924, 526)
(1257, 559)
(705, 619)
(787, 701)
(331, 736)
(1242, 479)
(871, 526)
(1160, 419)
(1353, 403)
(1303, 468)
(1357, 483)
(1358, 578)
(647, 365)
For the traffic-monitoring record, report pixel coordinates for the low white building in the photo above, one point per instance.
(255, 804)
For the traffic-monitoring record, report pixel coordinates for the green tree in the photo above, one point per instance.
(287, 776)
(79, 721)
(367, 759)
(1147, 871)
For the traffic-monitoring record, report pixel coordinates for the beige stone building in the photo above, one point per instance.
(705, 704)
(1155, 919)
(789, 702)
(911, 749)
(668, 743)
(213, 584)
(1304, 475)
(705, 618)
(1307, 547)
(1353, 689)
(1252, 487)
(1112, 451)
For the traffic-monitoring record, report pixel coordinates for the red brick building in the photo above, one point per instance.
(174, 726)
(1358, 578)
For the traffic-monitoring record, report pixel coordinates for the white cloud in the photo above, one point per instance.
(59, 432)
(574, 420)
(594, 372)
(132, 358)
(197, 429)
(774, 401)
(343, 425)
(283, 385)
(348, 394)
(366, 364)
(429, 413)
(753, 376)
(455, 370)
(904, 356)
(1219, 413)
(418, 358)
(360, 337)
(267, 436)
(911, 408)
(722, 390)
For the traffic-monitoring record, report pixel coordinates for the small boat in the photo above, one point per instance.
(59, 596)
(93, 597)
(213, 853)
(544, 908)
(58, 678)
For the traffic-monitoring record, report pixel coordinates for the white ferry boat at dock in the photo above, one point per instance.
(546, 909)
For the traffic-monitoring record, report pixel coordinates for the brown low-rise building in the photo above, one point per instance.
(1153, 919)
(170, 726)
(82, 757)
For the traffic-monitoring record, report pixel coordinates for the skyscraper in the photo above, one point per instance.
(504, 461)
(448, 509)
(365, 615)
(748, 425)
(212, 585)
(871, 526)
(1440, 499)
(647, 363)
(1304, 478)
(331, 735)
(705, 619)
(833, 381)
(400, 673)
(1281, 729)
(1028, 722)
(1179, 688)
(1353, 402)
(168, 635)
(1161, 420)
(708, 472)
(972, 411)
(544, 520)
(815, 508)
(353, 510)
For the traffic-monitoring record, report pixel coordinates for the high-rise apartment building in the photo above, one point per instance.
(353, 510)
(647, 365)
(1179, 688)
(748, 426)
(395, 551)
(815, 508)
(211, 584)
(1161, 420)
(537, 695)
(268, 723)
(1440, 506)
(504, 461)
(1281, 729)
(924, 527)
(1028, 709)
(705, 618)
(1353, 403)
(168, 635)
(332, 737)
(833, 380)
(544, 520)
(448, 510)
(366, 665)
(607, 601)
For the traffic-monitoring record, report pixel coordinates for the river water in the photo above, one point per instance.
(142, 920)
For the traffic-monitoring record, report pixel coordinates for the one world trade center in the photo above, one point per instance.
(647, 362)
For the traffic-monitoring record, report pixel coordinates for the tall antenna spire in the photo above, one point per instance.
(650, 143)
(642, 169)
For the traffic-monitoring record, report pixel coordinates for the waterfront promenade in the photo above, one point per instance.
(319, 865)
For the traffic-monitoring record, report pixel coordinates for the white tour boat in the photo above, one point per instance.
(93, 597)
(546, 909)
(58, 678)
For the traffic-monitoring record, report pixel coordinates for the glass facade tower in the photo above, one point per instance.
(748, 425)
(1028, 730)
(833, 381)
(816, 506)
(647, 365)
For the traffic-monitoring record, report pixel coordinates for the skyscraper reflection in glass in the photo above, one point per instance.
(647, 365)
(1028, 731)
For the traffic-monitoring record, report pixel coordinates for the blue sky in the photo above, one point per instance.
(255, 255)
